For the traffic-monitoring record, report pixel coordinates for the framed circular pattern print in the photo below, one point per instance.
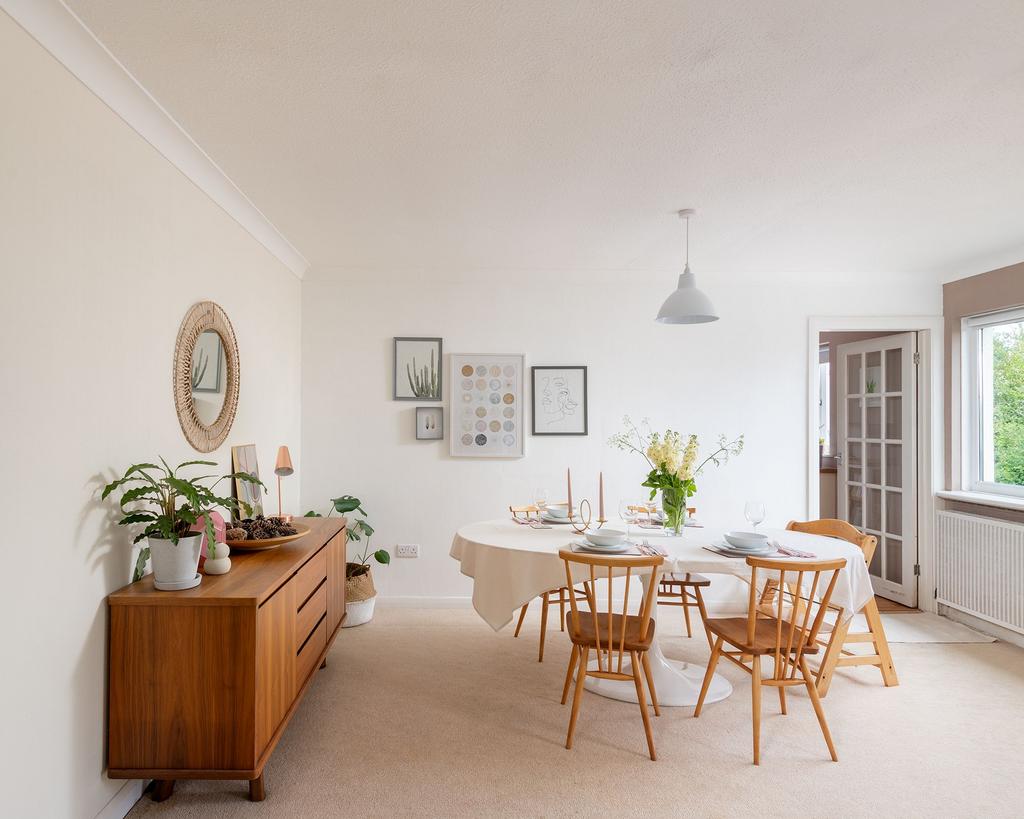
(487, 405)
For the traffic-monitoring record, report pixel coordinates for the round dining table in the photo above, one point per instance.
(512, 563)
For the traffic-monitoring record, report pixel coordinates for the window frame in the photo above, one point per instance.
(973, 401)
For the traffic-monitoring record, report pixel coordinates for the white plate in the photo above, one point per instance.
(548, 519)
(767, 549)
(585, 546)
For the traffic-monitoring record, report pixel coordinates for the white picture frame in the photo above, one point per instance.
(487, 415)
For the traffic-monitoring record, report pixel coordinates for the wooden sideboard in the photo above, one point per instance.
(203, 682)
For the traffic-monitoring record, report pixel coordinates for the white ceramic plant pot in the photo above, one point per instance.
(175, 565)
(359, 612)
(220, 564)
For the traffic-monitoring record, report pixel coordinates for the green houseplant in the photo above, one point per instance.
(360, 594)
(169, 505)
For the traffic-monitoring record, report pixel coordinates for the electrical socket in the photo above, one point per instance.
(407, 550)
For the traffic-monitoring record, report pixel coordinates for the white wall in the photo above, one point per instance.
(103, 247)
(745, 373)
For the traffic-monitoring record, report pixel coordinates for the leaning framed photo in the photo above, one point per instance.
(248, 495)
(429, 423)
(417, 373)
(487, 413)
(559, 400)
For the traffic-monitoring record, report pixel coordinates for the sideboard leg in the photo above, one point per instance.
(257, 793)
(324, 663)
(162, 789)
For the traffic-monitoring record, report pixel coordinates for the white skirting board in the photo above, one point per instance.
(124, 800)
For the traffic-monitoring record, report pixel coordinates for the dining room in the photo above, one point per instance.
(522, 409)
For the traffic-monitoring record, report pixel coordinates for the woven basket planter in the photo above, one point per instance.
(360, 597)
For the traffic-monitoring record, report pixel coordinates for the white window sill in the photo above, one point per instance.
(983, 499)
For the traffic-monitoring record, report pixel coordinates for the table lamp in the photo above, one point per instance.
(282, 469)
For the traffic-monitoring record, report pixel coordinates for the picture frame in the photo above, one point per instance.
(429, 423)
(417, 369)
(487, 414)
(243, 459)
(560, 400)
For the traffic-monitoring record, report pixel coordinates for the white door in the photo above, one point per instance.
(877, 448)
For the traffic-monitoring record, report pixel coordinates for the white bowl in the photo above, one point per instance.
(606, 537)
(557, 510)
(746, 540)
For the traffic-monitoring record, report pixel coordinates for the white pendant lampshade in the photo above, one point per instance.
(686, 304)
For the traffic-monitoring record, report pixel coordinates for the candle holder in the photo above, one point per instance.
(585, 520)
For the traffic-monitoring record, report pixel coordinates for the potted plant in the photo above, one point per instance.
(170, 505)
(360, 595)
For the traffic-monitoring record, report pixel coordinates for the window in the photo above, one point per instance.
(993, 402)
(824, 410)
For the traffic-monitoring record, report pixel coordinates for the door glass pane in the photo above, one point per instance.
(875, 566)
(874, 420)
(894, 559)
(894, 465)
(855, 453)
(856, 510)
(853, 373)
(894, 513)
(873, 372)
(854, 475)
(893, 370)
(894, 418)
(873, 466)
(853, 427)
(873, 510)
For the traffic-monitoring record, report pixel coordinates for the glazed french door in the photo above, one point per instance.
(877, 452)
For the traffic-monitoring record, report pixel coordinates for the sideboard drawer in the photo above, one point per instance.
(309, 615)
(311, 575)
(310, 653)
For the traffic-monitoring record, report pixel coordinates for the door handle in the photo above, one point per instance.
(839, 458)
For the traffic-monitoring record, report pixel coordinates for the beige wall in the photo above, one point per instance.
(103, 247)
(995, 290)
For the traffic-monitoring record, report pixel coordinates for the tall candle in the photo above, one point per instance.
(600, 502)
(568, 478)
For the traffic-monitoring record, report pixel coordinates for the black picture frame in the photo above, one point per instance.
(540, 395)
(438, 397)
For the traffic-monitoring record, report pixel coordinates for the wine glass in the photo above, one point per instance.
(627, 512)
(540, 498)
(754, 512)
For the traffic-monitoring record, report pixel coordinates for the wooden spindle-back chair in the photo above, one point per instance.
(610, 636)
(837, 635)
(802, 591)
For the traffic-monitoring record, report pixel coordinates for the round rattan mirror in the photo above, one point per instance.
(206, 376)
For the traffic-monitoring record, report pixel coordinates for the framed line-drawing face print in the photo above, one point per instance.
(559, 400)
(487, 414)
(417, 374)
(429, 423)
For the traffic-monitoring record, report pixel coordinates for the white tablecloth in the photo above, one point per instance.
(511, 564)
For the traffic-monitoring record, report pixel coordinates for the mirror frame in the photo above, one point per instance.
(206, 315)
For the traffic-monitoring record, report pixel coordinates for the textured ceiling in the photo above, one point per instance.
(548, 135)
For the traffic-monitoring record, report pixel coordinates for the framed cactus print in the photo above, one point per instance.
(486, 416)
(417, 369)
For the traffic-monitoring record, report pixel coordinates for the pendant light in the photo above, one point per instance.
(686, 304)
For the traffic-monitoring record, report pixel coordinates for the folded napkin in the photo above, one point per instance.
(789, 551)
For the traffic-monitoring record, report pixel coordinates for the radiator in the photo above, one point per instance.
(980, 568)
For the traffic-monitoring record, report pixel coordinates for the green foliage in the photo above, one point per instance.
(168, 504)
(1008, 405)
(423, 381)
(356, 530)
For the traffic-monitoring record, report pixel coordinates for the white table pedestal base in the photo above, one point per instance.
(676, 682)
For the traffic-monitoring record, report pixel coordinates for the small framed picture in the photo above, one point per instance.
(248, 495)
(429, 423)
(559, 400)
(417, 375)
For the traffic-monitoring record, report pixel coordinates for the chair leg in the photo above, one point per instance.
(755, 698)
(782, 699)
(643, 704)
(704, 617)
(686, 613)
(522, 616)
(650, 683)
(716, 652)
(568, 674)
(881, 643)
(577, 695)
(833, 651)
(543, 625)
(812, 690)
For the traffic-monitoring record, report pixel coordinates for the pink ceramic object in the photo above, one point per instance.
(219, 530)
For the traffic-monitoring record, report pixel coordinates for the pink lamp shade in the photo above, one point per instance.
(284, 466)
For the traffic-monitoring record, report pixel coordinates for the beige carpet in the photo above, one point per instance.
(430, 713)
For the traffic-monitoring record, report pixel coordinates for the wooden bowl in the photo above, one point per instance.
(268, 543)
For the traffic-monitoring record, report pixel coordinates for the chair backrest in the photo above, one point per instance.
(801, 582)
(592, 569)
(830, 527)
(524, 512)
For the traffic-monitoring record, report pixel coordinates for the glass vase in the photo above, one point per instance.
(673, 504)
